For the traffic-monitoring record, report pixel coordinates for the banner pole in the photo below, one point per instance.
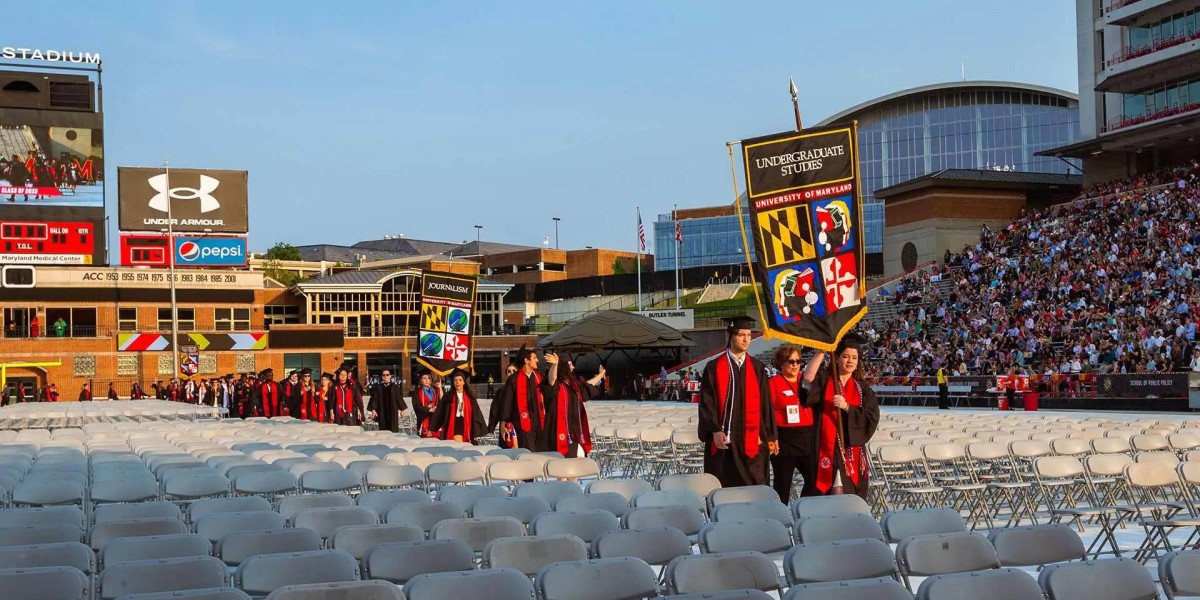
(407, 359)
(746, 243)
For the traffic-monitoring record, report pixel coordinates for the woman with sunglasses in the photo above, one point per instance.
(794, 421)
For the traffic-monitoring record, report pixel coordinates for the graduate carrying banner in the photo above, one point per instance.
(447, 310)
(806, 219)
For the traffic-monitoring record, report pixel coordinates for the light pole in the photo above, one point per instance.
(556, 220)
(478, 229)
(171, 266)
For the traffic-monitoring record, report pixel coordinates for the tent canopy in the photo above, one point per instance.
(615, 329)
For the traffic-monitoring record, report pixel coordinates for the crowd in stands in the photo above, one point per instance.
(1109, 283)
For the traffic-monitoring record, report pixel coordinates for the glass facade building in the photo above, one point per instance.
(901, 136)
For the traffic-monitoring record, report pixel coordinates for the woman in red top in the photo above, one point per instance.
(794, 421)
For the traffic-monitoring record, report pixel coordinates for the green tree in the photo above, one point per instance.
(619, 267)
(283, 251)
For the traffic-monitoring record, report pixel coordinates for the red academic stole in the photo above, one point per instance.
(563, 420)
(306, 396)
(425, 396)
(753, 403)
(343, 399)
(523, 400)
(320, 405)
(448, 430)
(270, 399)
(830, 429)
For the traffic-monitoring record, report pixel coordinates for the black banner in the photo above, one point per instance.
(806, 217)
(447, 312)
(1141, 385)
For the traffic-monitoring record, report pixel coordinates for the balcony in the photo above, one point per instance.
(52, 333)
(1127, 13)
(387, 332)
(1166, 60)
(1127, 54)
(1123, 121)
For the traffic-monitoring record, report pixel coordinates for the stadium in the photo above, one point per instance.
(1020, 283)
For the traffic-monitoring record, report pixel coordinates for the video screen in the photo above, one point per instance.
(51, 166)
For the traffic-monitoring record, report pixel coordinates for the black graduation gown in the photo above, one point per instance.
(419, 409)
(350, 415)
(291, 396)
(447, 410)
(509, 411)
(858, 426)
(733, 466)
(387, 399)
(572, 435)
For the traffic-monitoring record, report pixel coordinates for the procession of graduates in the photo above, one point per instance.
(540, 412)
(534, 410)
(816, 421)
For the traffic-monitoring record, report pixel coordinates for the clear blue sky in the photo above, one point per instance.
(359, 119)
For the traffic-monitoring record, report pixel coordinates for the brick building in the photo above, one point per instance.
(109, 324)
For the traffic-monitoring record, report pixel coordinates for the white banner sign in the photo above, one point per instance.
(680, 318)
(51, 277)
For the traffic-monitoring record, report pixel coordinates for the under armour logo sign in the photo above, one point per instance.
(207, 186)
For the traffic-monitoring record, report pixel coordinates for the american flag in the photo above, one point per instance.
(641, 231)
(678, 231)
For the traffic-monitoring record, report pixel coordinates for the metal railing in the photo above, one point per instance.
(412, 331)
(1122, 121)
(1131, 52)
(52, 332)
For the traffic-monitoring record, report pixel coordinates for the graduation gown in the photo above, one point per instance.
(529, 416)
(387, 399)
(266, 396)
(291, 398)
(566, 417)
(445, 423)
(347, 403)
(858, 426)
(424, 400)
(745, 461)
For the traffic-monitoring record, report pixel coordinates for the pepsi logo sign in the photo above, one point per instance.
(211, 251)
(189, 251)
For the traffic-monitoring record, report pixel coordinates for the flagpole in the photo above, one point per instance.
(678, 250)
(639, 257)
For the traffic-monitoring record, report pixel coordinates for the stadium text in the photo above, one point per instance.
(9, 52)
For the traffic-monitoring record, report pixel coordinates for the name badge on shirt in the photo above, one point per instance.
(793, 415)
(788, 393)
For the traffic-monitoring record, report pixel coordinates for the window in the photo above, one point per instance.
(187, 319)
(231, 319)
(306, 360)
(127, 319)
(283, 314)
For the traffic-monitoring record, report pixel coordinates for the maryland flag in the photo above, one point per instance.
(806, 218)
(447, 309)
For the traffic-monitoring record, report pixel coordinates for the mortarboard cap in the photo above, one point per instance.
(327, 375)
(460, 373)
(733, 324)
(306, 371)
